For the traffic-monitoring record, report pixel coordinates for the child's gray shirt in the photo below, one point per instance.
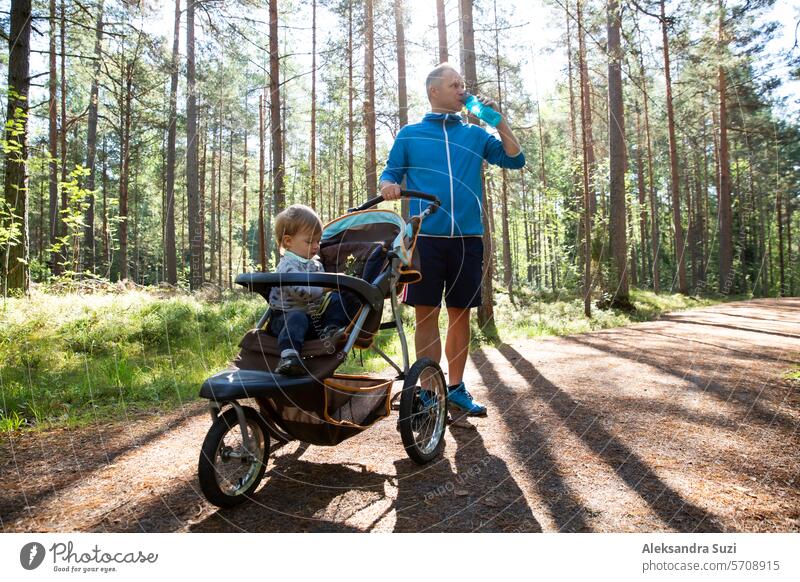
(302, 297)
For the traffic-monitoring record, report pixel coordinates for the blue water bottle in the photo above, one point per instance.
(481, 111)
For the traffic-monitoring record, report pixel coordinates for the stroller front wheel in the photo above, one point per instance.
(229, 469)
(423, 411)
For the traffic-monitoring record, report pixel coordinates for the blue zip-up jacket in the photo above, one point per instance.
(442, 155)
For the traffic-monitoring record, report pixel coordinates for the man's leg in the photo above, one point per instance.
(426, 335)
(456, 346)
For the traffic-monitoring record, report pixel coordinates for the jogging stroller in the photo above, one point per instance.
(325, 407)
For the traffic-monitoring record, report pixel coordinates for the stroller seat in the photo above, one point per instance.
(235, 383)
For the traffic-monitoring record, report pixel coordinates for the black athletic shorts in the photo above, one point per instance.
(452, 267)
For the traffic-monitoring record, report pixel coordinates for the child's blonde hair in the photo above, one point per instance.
(296, 218)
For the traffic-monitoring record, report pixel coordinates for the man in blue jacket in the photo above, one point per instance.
(443, 155)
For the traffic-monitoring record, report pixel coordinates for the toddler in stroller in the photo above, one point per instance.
(301, 311)
(322, 406)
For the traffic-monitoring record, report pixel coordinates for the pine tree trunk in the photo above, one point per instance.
(441, 23)
(192, 185)
(127, 99)
(577, 192)
(91, 148)
(262, 238)
(655, 236)
(781, 265)
(725, 207)
(230, 213)
(52, 143)
(643, 251)
(16, 254)
(107, 250)
(617, 161)
(219, 201)
(586, 107)
(469, 70)
(402, 94)
(680, 255)
(585, 141)
(508, 279)
(369, 101)
(313, 149)
(212, 246)
(278, 187)
(244, 203)
(62, 135)
(203, 145)
(350, 97)
(172, 270)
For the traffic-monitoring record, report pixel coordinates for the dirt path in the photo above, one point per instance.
(683, 424)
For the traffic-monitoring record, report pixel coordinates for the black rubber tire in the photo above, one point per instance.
(408, 399)
(207, 471)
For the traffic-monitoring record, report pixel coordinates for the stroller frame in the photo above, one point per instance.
(252, 429)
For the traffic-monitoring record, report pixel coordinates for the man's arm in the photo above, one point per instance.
(510, 142)
(395, 170)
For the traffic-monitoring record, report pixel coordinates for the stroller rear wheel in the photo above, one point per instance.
(228, 469)
(423, 411)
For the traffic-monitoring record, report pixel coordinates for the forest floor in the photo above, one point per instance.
(688, 423)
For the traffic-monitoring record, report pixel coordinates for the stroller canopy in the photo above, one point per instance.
(370, 226)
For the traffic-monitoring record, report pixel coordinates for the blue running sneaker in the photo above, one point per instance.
(426, 398)
(462, 400)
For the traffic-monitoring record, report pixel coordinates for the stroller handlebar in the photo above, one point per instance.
(403, 194)
(262, 283)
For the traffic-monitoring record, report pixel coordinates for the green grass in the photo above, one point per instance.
(71, 359)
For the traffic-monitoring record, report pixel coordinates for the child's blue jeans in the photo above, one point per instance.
(295, 326)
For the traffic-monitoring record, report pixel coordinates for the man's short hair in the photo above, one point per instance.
(435, 76)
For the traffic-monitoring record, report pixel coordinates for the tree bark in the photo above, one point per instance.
(469, 70)
(654, 227)
(127, 101)
(16, 255)
(402, 94)
(680, 246)
(262, 238)
(508, 278)
(244, 202)
(586, 142)
(230, 213)
(172, 270)
(192, 185)
(52, 143)
(643, 251)
(91, 147)
(350, 97)
(369, 101)
(617, 161)
(278, 187)
(212, 246)
(725, 206)
(313, 148)
(444, 54)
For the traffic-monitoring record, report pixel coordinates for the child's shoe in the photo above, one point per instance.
(291, 365)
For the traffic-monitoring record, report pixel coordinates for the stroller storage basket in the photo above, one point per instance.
(329, 411)
(356, 401)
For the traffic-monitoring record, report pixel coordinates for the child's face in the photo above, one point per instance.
(304, 243)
